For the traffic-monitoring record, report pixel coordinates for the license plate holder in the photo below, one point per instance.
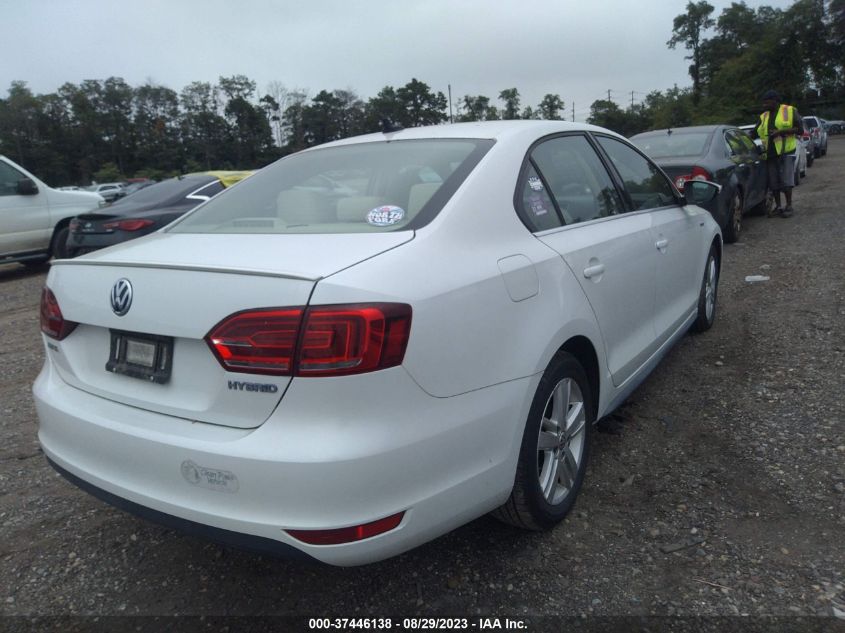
(144, 356)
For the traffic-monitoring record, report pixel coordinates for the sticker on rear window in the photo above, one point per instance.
(386, 215)
(535, 183)
(537, 205)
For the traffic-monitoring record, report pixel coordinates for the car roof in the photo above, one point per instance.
(497, 130)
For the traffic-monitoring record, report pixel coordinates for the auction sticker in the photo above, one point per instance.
(386, 215)
(535, 183)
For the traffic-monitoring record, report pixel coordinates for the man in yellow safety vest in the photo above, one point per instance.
(780, 125)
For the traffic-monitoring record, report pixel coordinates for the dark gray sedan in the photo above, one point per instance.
(719, 153)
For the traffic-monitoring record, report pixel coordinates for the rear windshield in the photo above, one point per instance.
(812, 121)
(360, 188)
(670, 145)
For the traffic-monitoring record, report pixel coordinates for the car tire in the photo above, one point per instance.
(708, 293)
(733, 221)
(58, 246)
(554, 450)
(810, 158)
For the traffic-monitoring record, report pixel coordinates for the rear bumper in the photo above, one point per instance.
(318, 463)
(226, 537)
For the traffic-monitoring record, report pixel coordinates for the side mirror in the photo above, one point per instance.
(700, 191)
(27, 187)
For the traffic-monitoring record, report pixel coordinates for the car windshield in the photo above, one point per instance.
(670, 145)
(811, 121)
(356, 188)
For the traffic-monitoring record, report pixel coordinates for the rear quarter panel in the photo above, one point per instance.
(467, 331)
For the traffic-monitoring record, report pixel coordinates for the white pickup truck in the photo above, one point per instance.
(34, 218)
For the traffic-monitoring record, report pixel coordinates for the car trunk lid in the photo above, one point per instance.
(182, 287)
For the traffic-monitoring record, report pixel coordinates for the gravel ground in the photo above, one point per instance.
(718, 489)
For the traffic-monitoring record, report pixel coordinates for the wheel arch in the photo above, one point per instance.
(583, 350)
(61, 224)
(717, 245)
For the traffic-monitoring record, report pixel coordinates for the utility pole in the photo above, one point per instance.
(632, 99)
(608, 94)
(573, 112)
(451, 120)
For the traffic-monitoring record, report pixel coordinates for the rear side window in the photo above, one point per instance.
(539, 211)
(646, 185)
(746, 140)
(566, 173)
(356, 188)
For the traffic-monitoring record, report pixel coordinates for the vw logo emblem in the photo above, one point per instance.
(121, 297)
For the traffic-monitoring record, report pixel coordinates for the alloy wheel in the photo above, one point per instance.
(710, 289)
(560, 444)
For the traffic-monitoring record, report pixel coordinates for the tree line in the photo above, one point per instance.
(735, 57)
(109, 130)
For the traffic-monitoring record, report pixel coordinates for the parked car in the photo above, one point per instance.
(344, 376)
(718, 153)
(110, 191)
(809, 143)
(819, 135)
(835, 127)
(33, 217)
(145, 211)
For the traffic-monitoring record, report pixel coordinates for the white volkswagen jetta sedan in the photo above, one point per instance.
(372, 342)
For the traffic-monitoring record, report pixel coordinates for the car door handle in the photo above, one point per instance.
(661, 244)
(593, 271)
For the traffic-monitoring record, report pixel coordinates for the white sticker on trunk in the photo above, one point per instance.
(211, 478)
(386, 215)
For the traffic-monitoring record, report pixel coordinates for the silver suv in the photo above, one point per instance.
(34, 218)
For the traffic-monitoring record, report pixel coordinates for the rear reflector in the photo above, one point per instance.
(332, 340)
(53, 324)
(348, 534)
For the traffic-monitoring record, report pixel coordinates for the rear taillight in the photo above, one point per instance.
(321, 341)
(257, 341)
(128, 225)
(698, 173)
(347, 534)
(53, 324)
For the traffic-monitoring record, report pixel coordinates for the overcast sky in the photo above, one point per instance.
(576, 48)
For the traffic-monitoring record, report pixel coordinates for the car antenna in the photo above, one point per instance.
(388, 126)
